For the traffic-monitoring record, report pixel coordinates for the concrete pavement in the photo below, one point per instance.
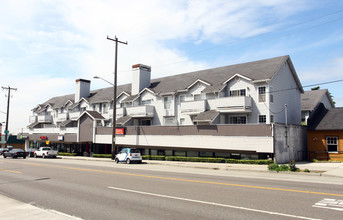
(13, 209)
(332, 169)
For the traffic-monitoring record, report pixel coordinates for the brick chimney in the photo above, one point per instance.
(141, 76)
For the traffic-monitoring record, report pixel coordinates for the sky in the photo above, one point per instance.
(46, 45)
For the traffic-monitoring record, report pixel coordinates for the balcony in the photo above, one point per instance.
(143, 111)
(45, 118)
(120, 112)
(62, 117)
(193, 107)
(235, 104)
(33, 119)
(74, 115)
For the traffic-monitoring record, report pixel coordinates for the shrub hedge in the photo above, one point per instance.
(66, 154)
(206, 159)
(102, 155)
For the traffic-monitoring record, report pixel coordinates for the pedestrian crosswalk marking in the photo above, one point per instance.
(333, 204)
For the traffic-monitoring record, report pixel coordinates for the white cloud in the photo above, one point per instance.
(60, 41)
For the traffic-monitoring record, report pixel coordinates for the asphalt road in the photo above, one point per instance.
(112, 191)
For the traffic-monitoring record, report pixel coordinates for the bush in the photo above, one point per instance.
(259, 162)
(66, 154)
(307, 170)
(292, 166)
(273, 167)
(284, 167)
(151, 157)
(102, 155)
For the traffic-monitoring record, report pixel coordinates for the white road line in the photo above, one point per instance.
(212, 203)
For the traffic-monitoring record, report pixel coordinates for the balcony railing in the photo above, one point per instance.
(141, 111)
(62, 117)
(233, 104)
(45, 118)
(74, 115)
(193, 107)
(32, 119)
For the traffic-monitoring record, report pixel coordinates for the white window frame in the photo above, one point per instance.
(259, 119)
(332, 141)
(167, 102)
(261, 96)
(182, 99)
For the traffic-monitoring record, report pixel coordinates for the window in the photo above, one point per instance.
(240, 92)
(182, 121)
(271, 96)
(167, 102)
(146, 102)
(238, 120)
(145, 122)
(199, 97)
(262, 119)
(271, 118)
(169, 121)
(105, 109)
(262, 94)
(332, 143)
(182, 98)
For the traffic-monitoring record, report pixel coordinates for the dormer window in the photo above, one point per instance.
(239, 92)
(146, 102)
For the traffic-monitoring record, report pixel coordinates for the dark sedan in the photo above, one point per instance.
(14, 153)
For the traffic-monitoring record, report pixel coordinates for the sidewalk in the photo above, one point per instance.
(13, 209)
(331, 169)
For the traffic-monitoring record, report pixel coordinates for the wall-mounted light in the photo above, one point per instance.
(315, 139)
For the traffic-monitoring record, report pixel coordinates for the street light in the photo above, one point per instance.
(114, 115)
(98, 77)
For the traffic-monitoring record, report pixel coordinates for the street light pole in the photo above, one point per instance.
(114, 149)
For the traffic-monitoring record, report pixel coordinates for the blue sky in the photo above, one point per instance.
(46, 45)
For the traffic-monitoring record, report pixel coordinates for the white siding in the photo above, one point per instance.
(286, 92)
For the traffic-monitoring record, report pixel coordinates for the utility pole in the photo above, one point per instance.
(114, 149)
(8, 110)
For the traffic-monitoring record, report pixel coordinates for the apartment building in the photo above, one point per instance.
(231, 111)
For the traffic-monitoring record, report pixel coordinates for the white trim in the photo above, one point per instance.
(234, 76)
(198, 80)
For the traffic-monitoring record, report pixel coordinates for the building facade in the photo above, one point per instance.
(169, 115)
(325, 134)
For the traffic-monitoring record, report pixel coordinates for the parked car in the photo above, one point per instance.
(30, 152)
(14, 153)
(129, 155)
(2, 150)
(45, 152)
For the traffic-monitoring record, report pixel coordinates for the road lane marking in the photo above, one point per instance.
(188, 180)
(211, 203)
(11, 171)
(333, 204)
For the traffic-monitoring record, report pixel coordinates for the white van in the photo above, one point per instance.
(129, 155)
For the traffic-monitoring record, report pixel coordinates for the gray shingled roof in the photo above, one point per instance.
(310, 99)
(333, 120)
(207, 116)
(123, 120)
(257, 70)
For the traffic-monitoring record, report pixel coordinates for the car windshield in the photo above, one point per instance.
(18, 150)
